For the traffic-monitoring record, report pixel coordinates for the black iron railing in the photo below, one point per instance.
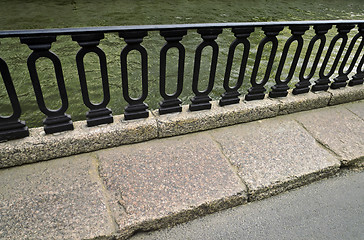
(40, 41)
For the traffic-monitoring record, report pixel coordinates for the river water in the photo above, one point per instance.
(58, 14)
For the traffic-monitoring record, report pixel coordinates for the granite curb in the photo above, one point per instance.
(40, 147)
(114, 193)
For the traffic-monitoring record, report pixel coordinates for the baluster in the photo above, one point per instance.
(281, 87)
(322, 84)
(303, 85)
(257, 90)
(201, 100)
(171, 103)
(11, 127)
(358, 78)
(99, 113)
(340, 81)
(136, 108)
(231, 96)
(56, 120)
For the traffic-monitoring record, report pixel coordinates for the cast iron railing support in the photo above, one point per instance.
(322, 84)
(171, 103)
(40, 42)
(231, 96)
(257, 90)
(303, 85)
(136, 108)
(340, 81)
(358, 78)
(201, 100)
(11, 127)
(56, 120)
(99, 113)
(281, 87)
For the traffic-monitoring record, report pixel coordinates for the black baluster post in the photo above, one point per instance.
(281, 87)
(340, 81)
(257, 90)
(171, 103)
(231, 96)
(11, 127)
(136, 108)
(303, 86)
(56, 120)
(99, 113)
(322, 84)
(201, 100)
(358, 78)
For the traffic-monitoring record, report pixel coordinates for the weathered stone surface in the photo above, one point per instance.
(347, 94)
(39, 146)
(357, 108)
(274, 155)
(59, 199)
(187, 121)
(338, 129)
(167, 181)
(303, 102)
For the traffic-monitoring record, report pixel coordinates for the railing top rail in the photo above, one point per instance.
(67, 31)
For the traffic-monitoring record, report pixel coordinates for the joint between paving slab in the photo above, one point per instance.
(233, 167)
(95, 173)
(320, 143)
(354, 113)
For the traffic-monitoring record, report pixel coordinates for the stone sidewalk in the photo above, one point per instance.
(110, 194)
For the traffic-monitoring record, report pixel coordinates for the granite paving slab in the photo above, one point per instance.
(274, 155)
(338, 129)
(357, 108)
(167, 181)
(58, 199)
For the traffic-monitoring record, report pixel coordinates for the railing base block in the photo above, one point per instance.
(99, 116)
(224, 102)
(355, 82)
(98, 121)
(258, 96)
(336, 85)
(302, 87)
(200, 103)
(136, 111)
(13, 130)
(136, 115)
(278, 94)
(200, 106)
(170, 106)
(229, 98)
(58, 124)
(279, 91)
(167, 110)
(321, 85)
(316, 88)
(255, 93)
(297, 91)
